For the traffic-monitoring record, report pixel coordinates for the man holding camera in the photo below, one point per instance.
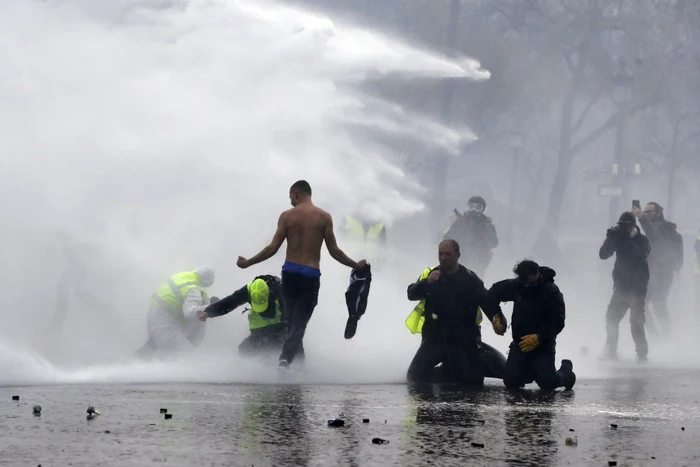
(630, 281)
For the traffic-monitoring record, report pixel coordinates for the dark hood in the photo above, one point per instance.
(548, 274)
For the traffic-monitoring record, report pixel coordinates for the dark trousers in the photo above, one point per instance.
(538, 365)
(300, 295)
(620, 302)
(461, 357)
(659, 290)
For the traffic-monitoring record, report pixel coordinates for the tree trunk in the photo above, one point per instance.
(556, 197)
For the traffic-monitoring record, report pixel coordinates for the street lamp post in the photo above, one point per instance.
(622, 82)
(517, 142)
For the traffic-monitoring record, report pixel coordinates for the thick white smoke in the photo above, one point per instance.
(156, 136)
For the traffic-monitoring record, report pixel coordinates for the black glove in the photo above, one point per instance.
(613, 232)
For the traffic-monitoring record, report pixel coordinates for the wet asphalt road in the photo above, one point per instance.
(656, 412)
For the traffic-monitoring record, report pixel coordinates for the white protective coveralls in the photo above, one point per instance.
(169, 334)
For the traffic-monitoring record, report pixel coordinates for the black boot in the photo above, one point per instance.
(567, 368)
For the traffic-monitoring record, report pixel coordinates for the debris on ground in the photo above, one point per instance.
(379, 441)
(168, 416)
(15, 398)
(107, 431)
(572, 441)
(36, 410)
(336, 422)
(365, 420)
(163, 410)
(613, 426)
(612, 463)
(92, 413)
(571, 429)
(478, 445)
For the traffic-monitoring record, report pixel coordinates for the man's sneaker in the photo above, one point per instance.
(283, 365)
(642, 359)
(567, 367)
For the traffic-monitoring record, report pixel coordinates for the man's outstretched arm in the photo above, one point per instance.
(333, 248)
(270, 250)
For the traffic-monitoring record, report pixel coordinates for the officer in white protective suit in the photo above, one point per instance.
(172, 321)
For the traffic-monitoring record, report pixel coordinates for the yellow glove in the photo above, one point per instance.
(498, 327)
(529, 343)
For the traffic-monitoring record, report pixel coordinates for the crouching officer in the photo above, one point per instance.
(267, 328)
(448, 316)
(538, 317)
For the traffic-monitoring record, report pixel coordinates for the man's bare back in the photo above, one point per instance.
(305, 227)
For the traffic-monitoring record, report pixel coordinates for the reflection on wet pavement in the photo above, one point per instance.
(633, 419)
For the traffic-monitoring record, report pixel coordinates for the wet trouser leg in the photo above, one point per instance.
(429, 354)
(619, 303)
(466, 361)
(518, 372)
(494, 362)
(637, 319)
(300, 298)
(167, 333)
(538, 365)
(659, 290)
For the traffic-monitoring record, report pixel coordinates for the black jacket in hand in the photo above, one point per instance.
(538, 309)
(631, 270)
(453, 299)
(476, 236)
(666, 245)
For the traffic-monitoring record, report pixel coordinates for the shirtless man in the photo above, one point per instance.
(305, 227)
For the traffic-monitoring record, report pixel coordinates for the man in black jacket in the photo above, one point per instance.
(538, 317)
(665, 259)
(476, 234)
(450, 296)
(630, 281)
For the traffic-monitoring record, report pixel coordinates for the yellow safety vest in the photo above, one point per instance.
(257, 321)
(416, 319)
(370, 238)
(171, 294)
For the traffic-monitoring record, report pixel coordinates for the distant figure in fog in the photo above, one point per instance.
(475, 234)
(630, 282)
(365, 232)
(665, 259)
